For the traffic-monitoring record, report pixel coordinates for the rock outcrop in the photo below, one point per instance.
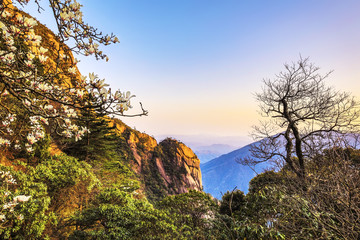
(169, 167)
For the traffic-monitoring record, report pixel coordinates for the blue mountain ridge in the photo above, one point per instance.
(224, 174)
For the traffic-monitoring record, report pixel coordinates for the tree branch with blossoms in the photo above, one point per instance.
(8, 202)
(39, 81)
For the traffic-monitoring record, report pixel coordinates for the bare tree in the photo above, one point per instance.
(303, 116)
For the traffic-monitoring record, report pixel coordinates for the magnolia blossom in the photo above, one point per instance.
(34, 39)
(31, 139)
(21, 198)
(29, 63)
(15, 30)
(7, 177)
(10, 131)
(49, 107)
(10, 205)
(5, 123)
(42, 58)
(40, 87)
(44, 120)
(8, 58)
(30, 22)
(11, 117)
(72, 70)
(28, 148)
(4, 142)
(5, 93)
(79, 93)
(42, 50)
(27, 103)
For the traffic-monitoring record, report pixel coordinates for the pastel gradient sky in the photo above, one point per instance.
(196, 64)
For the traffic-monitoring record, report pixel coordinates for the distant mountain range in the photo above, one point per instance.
(224, 173)
(208, 147)
(207, 153)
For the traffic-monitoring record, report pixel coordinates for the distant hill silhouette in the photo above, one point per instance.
(207, 153)
(224, 173)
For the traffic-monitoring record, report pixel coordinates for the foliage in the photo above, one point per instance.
(327, 209)
(115, 173)
(330, 207)
(265, 180)
(99, 143)
(232, 203)
(117, 215)
(194, 213)
(315, 195)
(62, 172)
(23, 205)
(54, 187)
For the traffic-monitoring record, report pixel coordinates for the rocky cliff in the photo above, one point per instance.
(169, 167)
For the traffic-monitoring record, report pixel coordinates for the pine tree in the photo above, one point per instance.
(99, 143)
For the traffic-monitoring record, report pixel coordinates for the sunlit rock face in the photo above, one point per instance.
(169, 167)
(180, 166)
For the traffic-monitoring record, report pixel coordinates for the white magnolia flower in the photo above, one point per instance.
(31, 139)
(72, 70)
(30, 22)
(42, 50)
(5, 14)
(3, 26)
(10, 205)
(14, 29)
(79, 93)
(5, 93)
(21, 198)
(42, 58)
(27, 102)
(49, 107)
(28, 147)
(4, 142)
(20, 18)
(92, 77)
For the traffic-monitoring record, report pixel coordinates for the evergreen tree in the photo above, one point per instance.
(99, 143)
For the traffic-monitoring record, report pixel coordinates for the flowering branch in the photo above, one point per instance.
(40, 86)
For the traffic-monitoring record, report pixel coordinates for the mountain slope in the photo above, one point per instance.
(224, 173)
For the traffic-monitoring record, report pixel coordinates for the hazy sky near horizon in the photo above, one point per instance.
(195, 64)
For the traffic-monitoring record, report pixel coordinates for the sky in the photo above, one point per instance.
(196, 64)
